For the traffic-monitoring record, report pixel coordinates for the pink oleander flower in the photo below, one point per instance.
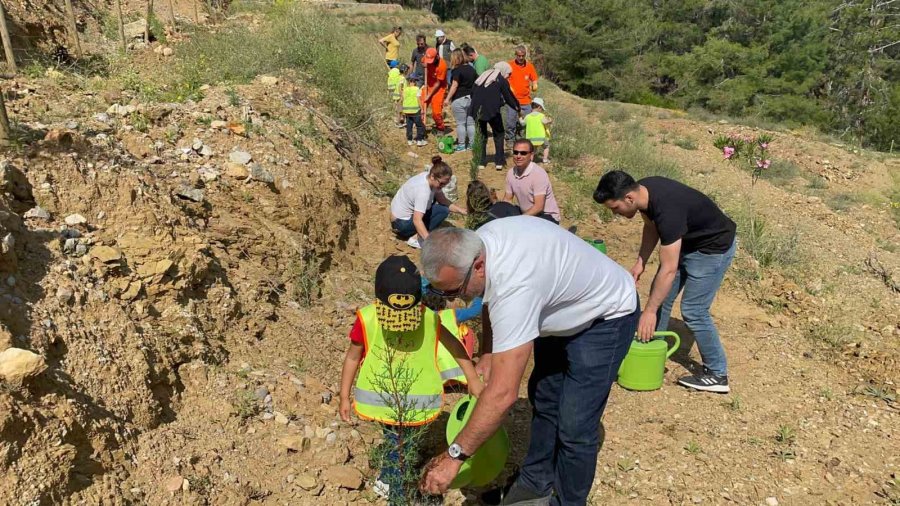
(763, 164)
(763, 145)
(728, 151)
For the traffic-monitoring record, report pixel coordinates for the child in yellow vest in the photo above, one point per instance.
(396, 77)
(413, 110)
(395, 340)
(537, 128)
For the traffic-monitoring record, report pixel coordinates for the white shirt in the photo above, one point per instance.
(414, 195)
(545, 281)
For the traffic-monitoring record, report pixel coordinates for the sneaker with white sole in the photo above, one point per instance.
(706, 382)
(410, 143)
(421, 143)
(413, 242)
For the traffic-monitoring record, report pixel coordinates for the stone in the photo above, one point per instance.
(326, 397)
(771, 501)
(281, 419)
(218, 124)
(344, 477)
(295, 443)
(261, 393)
(188, 193)
(75, 219)
(11, 281)
(331, 438)
(37, 213)
(102, 117)
(197, 145)
(257, 173)
(241, 157)
(174, 484)
(168, 51)
(236, 170)
(268, 80)
(135, 29)
(305, 481)
(64, 294)
(105, 254)
(208, 174)
(121, 110)
(17, 365)
(206, 151)
(133, 290)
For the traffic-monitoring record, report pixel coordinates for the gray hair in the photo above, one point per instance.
(521, 47)
(504, 68)
(450, 247)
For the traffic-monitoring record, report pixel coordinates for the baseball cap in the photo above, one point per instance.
(398, 292)
(439, 33)
(393, 63)
(540, 102)
(430, 55)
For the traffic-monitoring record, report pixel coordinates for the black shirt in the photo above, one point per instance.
(465, 76)
(487, 100)
(681, 212)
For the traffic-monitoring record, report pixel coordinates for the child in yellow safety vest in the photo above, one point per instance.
(537, 128)
(395, 86)
(395, 340)
(413, 110)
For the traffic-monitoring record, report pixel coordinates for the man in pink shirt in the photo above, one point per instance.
(530, 184)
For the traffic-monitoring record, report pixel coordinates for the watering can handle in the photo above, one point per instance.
(674, 346)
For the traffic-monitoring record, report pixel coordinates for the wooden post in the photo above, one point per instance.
(121, 26)
(197, 11)
(172, 15)
(7, 42)
(4, 121)
(147, 24)
(74, 29)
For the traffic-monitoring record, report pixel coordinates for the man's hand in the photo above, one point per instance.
(483, 367)
(637, 270)
(646, 326)
(439, 473)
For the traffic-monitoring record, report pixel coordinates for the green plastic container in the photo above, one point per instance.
(600, 244)
(487, 463)
(446, 144)
(645, 363)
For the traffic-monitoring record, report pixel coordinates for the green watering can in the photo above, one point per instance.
(446, 144)
(486, 464)
(645, 363)
(600, 244)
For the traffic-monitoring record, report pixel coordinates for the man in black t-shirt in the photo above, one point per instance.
(697, 245)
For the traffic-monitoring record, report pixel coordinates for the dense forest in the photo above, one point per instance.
(829, 63)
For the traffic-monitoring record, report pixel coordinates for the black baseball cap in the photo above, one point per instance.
(398, 293)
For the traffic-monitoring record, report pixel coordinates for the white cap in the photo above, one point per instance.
(439, 33)
(539, 101)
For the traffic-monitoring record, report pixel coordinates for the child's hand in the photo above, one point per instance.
(476, 387)
(345, 409)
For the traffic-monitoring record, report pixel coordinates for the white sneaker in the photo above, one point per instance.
(413, 242)
(381, 489)
(410, 143)
(421, 143)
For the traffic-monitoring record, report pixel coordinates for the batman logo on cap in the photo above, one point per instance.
(401, 300)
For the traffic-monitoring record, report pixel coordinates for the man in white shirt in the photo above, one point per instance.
(546, 290)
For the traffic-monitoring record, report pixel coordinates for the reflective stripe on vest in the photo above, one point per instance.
(413, 355)
(411, 99)
(394, 79)
(534, 128)
(450, 370)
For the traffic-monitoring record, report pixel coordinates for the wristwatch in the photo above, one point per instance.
(456, 452)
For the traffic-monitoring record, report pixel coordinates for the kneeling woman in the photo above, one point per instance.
(420, 205)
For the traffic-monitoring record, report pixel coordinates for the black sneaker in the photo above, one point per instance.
(511, 493)
(706, 382)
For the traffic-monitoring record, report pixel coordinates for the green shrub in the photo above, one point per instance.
(768, 247)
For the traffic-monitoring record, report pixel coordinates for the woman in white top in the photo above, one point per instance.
(420, 205)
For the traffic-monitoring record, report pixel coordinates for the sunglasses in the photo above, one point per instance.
(449, 294)
(521, 153)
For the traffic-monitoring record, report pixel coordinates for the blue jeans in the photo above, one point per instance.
(700, 276)
(465, 124)
(432, 219)
(568, 391)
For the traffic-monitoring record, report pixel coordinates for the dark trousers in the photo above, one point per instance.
(432, 218)
(415, 119)
(496, 124)
(568, 391)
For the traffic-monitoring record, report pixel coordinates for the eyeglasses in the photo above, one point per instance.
(521, 153)
(449, 294)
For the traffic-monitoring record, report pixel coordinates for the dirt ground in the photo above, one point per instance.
(194, 320)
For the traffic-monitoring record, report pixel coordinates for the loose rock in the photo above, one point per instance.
(75, 219)
(344, 477)
(37, 213)
(17, 365)
(188, 193)
(305, 482)
(241, 157)
(257, 173)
